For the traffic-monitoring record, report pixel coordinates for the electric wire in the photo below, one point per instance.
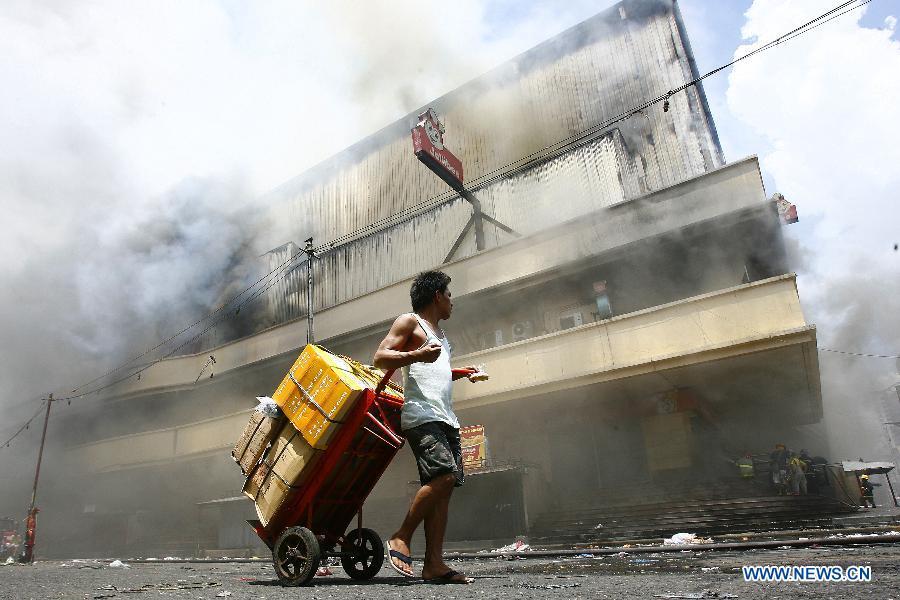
(860, 354)
(188, 328)
(25, 425)
(226, 315)
(284, 267)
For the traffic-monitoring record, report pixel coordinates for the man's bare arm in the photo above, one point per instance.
(391, 353)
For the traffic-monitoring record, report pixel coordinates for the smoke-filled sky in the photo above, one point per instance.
(132, 132)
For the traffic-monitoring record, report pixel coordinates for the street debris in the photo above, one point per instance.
(184, 585)
(80, 563)
(181, 584)
(517, 546)
(118, 564)
(549, 586)
(323, 572)
(686, 538)
(9, 561)
(696, 595)
(859, 535)
(223, 594)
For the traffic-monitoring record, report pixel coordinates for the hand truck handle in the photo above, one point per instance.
(383, 383)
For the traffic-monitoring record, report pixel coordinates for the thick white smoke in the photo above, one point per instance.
(824, 107)
(133, 132)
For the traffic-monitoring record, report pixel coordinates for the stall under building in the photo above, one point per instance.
(642, 330)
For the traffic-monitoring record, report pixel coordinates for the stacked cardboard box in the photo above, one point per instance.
(315, 396)
(256, 437)
(280, 475)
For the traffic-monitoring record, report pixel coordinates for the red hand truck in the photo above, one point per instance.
(313, 525)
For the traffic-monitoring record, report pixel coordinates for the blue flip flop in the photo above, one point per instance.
(392, 554)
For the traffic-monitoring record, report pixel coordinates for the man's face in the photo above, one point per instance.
(444, 303)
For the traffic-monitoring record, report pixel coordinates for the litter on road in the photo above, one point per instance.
(550, 586)
(686, 538)
(517, 546)
(696, 595)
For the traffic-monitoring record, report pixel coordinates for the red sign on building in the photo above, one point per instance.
(428, 146)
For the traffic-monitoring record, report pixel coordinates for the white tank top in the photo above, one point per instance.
(428, 387)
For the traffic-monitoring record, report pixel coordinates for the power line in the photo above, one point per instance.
(286, 269)
(191, 340)
(25, 425)
(189, 327)
(546, 153)
(862, 354)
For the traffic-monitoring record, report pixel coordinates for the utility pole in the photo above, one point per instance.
(31, 520)
(310, 338)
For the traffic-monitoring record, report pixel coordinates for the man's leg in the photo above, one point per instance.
(435, 528)
(428, 499)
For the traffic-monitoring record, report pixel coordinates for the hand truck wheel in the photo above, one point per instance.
(296, 556)
(368, 553)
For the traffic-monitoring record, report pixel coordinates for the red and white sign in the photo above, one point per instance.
(428, 146)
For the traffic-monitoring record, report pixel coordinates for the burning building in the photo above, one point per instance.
(642, 329)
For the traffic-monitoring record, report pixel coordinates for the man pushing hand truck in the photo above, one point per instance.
(417, 344)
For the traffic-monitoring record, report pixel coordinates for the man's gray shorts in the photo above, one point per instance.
(437, 449)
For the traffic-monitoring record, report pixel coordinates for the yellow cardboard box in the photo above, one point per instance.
(317, 393)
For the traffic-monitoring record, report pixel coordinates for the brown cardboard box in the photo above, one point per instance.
(291, 457)
(255, 480)
(268, 491)
(281, 473)
(254, 440)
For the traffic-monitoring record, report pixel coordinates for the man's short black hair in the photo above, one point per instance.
(425, 286)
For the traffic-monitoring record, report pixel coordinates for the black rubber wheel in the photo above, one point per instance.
(296, 556)
(368, 553)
